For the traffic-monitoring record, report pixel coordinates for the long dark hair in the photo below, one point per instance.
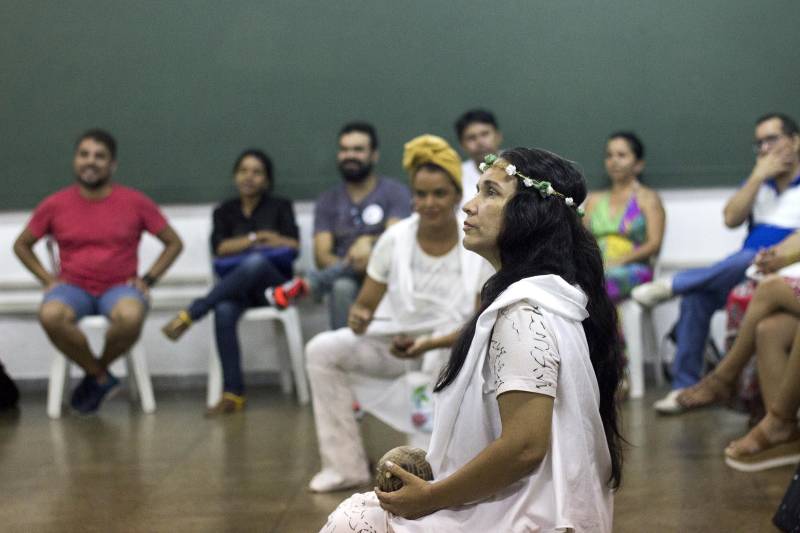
(545, 236)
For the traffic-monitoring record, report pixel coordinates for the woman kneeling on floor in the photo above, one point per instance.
(525, 433)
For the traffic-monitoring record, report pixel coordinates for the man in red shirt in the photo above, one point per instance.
(97, 225)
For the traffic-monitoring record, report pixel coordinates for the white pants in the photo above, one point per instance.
(331, 358)
(359, 512)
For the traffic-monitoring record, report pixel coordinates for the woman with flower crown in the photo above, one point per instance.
(421, 286)
(525, 431)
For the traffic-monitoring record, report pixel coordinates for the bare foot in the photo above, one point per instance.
(711, 390)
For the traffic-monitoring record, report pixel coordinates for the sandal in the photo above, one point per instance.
(768, 454)
(177, 326)
(230, 403)
(711, 390)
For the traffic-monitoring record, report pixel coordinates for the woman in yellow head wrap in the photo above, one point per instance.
(420, 287)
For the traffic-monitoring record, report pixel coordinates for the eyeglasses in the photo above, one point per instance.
(767, 142)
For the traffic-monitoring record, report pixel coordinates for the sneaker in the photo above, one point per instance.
(96, 392)
(284, 295)
(329, 480)
(653, 293)
(669, 405)
(79, 394)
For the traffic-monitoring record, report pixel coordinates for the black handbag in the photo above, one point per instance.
(9, 394)
(787, 517)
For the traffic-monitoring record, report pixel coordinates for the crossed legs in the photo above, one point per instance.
(770, 315)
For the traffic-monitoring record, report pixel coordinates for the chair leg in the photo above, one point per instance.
(285, 359)
(294, 338)
(57, 385)
(214, 386)
(632, 325)
(133, 387)
(651, 344)
(141, 375)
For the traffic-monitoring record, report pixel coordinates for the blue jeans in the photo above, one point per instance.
(241, 288)
(703, 291)
(343, 284)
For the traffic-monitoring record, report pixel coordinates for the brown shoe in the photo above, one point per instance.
(177, 326)
(230, 403)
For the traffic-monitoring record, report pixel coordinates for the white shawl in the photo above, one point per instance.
(569, 488)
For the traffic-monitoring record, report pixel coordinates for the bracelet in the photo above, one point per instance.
(149, 280)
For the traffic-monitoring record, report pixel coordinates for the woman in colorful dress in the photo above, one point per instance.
(627, 219)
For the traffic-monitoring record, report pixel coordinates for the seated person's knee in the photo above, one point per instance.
(227, 312)
(317, 349)
(54, 313)
(768, 327)
(128, 312)
(770, 283)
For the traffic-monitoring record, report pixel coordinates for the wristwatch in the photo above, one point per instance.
(252, 237)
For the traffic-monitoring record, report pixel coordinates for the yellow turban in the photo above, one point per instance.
(432, 149)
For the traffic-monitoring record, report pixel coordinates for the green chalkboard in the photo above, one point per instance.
(186, 84)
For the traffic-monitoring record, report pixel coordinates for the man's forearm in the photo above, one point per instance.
(740, 205)
(164, 261)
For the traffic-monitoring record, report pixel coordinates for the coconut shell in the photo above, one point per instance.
(409, 459)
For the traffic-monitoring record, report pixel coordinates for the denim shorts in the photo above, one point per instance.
(84, 303)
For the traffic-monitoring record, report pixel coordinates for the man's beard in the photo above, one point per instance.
(93, 185)
(354, 173)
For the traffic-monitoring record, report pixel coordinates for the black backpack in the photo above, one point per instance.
(9, 394)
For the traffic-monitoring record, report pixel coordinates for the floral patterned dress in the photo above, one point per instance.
(617, 236)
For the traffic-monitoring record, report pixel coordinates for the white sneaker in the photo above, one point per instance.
(653, 293)
(668, 405)
(329, 480)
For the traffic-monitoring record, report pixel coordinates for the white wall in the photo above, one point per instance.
(695, 236)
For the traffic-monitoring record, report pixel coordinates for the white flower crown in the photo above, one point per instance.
(544, 187)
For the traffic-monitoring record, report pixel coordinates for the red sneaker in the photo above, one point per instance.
(284, 295)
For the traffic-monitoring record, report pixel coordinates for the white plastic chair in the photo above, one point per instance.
(640, 339)
(135, 358)
(136, 361)
(293, 366)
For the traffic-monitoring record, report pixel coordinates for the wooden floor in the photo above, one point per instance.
(176, 471)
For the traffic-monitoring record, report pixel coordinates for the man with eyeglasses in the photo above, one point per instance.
(350, 217)
(769, 200)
